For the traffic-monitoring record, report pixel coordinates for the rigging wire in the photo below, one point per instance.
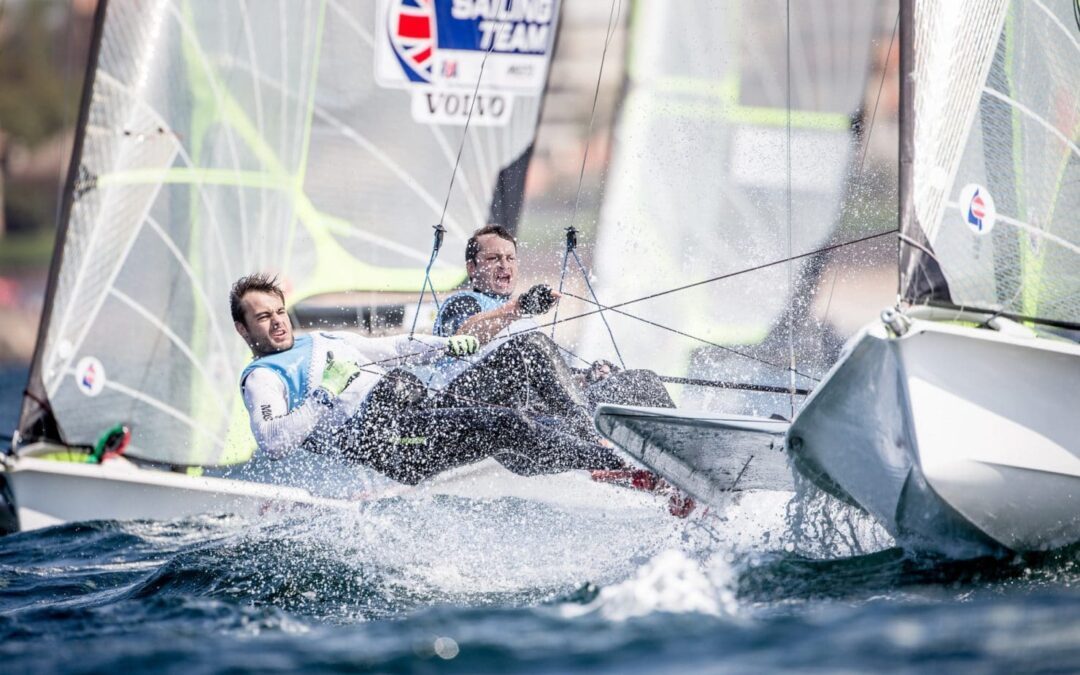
(596, 301)
(440, 229)
(571, 249)
(613, 18)
(571, 232)
(730, 275)
(703, 382)
(866, 145)
(790, 265)
(676, 331)
(877, 99)
(721, 277)
(465, 133)
(435, 246)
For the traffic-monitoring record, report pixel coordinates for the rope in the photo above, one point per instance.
(866, 145)
(465, 133)
(571, 242)
(571, 249)
(730, 275)
(613, 18)
(738, 273)
(692, 337)
(660, 294)
(439, 228)
(435, 246)
(596, 301)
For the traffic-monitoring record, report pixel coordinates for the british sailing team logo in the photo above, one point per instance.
(977, 208)
(412, 31)
(90, 376)
(464, 61)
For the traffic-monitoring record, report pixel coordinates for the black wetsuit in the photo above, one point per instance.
(519, 404)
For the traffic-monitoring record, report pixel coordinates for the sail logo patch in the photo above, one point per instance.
(977, 207)
(411, 31)
(464, 59)
(90, 376)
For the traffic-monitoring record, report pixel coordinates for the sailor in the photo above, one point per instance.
(338, 392)
(491, 312)
(488, 308)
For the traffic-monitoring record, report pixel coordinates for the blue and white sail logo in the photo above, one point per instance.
(90, 376)
(977, 207)
(445, 50)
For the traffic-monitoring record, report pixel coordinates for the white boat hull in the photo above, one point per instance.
(955, 438)
(707, 455)
(48, 492)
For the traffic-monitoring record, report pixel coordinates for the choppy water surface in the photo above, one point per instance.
(449, 584)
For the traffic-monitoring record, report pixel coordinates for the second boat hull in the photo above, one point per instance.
(957, 439)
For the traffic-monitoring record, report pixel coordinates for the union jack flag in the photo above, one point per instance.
(89, 375)
(413, 34)
(976, 211)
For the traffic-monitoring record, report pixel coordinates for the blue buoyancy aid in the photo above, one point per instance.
(291, 365)
(486, 302)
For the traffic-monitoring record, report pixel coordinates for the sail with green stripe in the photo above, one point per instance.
(990, 185)
(314, 139)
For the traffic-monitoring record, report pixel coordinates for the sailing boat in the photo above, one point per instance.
(315, 139)
(952, 420)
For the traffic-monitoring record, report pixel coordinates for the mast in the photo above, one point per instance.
(36, 420)
(920, 279)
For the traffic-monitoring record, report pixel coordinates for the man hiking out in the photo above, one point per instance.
(338, 392)
(490, 311)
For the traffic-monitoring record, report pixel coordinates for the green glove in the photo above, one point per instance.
(462, 345)
(338, 374)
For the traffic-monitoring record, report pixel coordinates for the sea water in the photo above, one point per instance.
(768, 581)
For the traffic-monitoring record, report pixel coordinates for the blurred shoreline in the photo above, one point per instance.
(21, 298)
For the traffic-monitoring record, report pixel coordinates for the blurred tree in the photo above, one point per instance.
(43, 49)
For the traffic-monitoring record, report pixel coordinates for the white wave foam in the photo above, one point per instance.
(670, 582)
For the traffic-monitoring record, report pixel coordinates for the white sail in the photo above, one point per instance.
(311, 138)
(994, 190)
(711, 175)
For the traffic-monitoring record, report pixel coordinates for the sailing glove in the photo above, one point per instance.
(338, 374)
(536, 300)
(600, 370)
(462, 345)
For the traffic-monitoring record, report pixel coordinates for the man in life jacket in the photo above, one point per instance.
(519, 358)
(490, 311)
(338, 392)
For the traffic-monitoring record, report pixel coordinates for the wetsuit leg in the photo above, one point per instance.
(423, 442)
(526, 372)
(630, 387)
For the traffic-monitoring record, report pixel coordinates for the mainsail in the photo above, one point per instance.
(316, 139)
(733, 148)
(990, 182)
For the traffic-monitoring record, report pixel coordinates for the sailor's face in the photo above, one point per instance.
(266, 326)
(495, 267)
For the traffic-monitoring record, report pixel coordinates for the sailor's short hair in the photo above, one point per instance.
(260, 282)
(472, 247)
